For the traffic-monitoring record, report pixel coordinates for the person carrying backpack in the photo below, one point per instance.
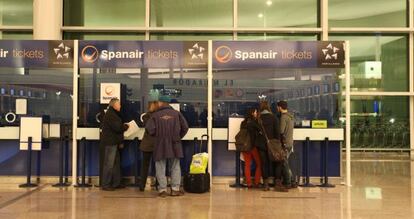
(252, 125)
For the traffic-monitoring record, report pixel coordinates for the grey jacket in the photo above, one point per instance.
(286, 129)
(168, 126)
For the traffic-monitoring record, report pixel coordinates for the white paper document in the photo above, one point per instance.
(132, 130)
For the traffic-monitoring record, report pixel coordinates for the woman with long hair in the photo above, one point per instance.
(251, 123)
(271, 126)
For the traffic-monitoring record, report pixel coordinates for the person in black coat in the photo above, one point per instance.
(147, 145)
(112, 138)
(271, 126)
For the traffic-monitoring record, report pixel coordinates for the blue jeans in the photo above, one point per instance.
(175, 169)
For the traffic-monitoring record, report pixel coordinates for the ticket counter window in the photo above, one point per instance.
(48, 93)
(312, 94)
(187, 89)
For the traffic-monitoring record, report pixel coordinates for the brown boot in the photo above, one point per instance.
(279, 186)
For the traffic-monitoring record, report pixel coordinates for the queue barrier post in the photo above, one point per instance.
(306, 163)
(83, 183)
(28, 183)
(237, 183)
(324, 152)
(64, 142)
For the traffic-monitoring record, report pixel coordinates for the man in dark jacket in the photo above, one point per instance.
(112, 138)
(169, 127)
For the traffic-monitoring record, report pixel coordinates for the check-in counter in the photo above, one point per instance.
(223, 159)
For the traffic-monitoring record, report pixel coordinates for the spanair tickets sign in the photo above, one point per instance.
(143, 54)
(278, 54)
(36, 53)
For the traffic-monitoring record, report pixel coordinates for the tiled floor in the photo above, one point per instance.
(381, 189)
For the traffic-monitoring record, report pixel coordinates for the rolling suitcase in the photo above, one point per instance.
(197, 183)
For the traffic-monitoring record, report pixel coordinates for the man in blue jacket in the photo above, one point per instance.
(169, 127)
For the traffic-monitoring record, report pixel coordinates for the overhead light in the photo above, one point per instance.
(260, 15)
(269, 3)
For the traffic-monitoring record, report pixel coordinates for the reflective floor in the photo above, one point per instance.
(382, 188)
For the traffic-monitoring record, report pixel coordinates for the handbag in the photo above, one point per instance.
(275, 148)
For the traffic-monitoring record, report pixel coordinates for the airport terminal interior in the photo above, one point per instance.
(345, 68)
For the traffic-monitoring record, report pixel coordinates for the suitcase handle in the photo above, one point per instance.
(201, 143)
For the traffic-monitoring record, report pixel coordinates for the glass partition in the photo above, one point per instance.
(188, 87)
(380, 122)
(104, 13)
(310, 93)
(16, 13)
(378, 62)
(48, 93)
(368, 13)
(280, 13)
(188, 13)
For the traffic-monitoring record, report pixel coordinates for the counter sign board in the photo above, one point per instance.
(110, 91)
(143, 54)
(278, 54)
(36, 53)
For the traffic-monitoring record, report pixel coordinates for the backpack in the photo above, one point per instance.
(243, 141)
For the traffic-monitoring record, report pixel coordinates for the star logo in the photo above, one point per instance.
(330, 52)
(62, 51)
(196, 52)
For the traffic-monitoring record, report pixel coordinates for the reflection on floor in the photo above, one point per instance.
(381, 189)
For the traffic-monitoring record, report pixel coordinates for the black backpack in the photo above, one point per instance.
(243, 141)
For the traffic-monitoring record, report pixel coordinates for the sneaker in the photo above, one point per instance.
(108, 189)
(121, 186)
(266, 187)
(279, 187)
(177, 193)
(163, 194)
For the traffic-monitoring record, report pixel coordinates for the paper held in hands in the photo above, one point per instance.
(132, 129)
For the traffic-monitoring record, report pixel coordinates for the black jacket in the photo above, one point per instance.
(256, 133)
(271, 125)
(112, 128)
(148, 141)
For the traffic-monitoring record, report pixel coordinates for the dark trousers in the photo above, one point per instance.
(282, 171)
(266, 168)
(112, 167)
(146, 163)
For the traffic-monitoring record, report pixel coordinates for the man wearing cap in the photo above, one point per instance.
(169, 127)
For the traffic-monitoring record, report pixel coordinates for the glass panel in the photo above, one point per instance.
(272, 36)
(16, 13)
(48, 93)
(103, 36)
(378, 63)
(368, 13)
(380, 122)
(104, 13)
(7, 35)
(191, 36)
(189, 13)
(188, 87)
(310, 93)
(277, 13)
